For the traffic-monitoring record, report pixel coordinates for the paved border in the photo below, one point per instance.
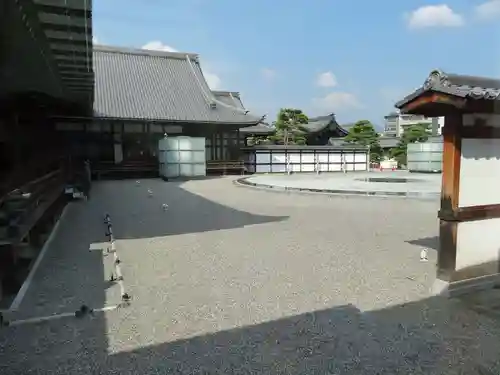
(361, 193)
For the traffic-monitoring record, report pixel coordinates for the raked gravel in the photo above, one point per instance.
(239, 281)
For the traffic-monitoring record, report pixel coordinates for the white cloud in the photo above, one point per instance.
(213, 80)
(434, 16)
(156, 45)
(268, 74)
(337, 101)
(95, 40)
(488, 10)
(326, 79)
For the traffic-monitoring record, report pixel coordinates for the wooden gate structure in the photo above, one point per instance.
(469, 230)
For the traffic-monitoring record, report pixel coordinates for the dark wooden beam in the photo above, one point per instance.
(69, 53)
(80, 74)
(471, 213)
(450, 189)
(67, 28)
(481, 132)
(70, 42)
(430, 98)
(77, 70)
(77, 61)
(64, 11)
(67, 65)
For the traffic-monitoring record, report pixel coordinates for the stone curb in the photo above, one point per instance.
(243, 182)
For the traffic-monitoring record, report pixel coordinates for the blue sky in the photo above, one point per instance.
(353, 58)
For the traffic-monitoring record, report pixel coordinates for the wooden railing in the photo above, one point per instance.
(25, 205)
(125, 169)
(226, 167)
(29, 173)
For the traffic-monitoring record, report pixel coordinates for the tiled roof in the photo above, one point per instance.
(162, 86)
(317, 124)
(457, 85)
(231, 98)
(262, 129)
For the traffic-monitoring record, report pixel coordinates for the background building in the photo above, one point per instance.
(395, 124)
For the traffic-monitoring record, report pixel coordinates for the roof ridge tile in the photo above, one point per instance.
(146, 52)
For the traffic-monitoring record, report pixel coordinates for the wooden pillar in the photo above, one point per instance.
(118, 142)
(450, 187)
(17, 140)
(469, 255)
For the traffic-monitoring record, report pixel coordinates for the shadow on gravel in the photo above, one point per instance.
(186, 213)
(431, 243)
(433, 336)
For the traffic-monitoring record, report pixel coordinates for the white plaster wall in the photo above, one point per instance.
(281, 158)
(322, 158)
(263, 158)
(326, 162)
(361, 158)
(335, 158)
(479, 172)
(308, 158)
(334, 167)
(478, 242)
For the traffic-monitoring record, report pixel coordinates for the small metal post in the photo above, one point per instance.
(116, 274)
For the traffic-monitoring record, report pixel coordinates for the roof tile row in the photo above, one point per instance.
(462, 86)
(161, 86)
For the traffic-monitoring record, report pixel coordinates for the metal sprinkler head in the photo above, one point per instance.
(423, 255)
(150, 193)
(164, 206)
(138, 183)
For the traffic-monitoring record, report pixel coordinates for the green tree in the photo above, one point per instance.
(289, 127)
(258, 140)
(419, 132)
(363, 133)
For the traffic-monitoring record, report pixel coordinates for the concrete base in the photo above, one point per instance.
(457, 288)
(349, 184)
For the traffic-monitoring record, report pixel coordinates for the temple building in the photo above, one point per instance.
(140, 95)
(318, 131)
(469, 214)
(63, 100)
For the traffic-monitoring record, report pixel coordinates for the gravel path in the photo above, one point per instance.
(231, 280)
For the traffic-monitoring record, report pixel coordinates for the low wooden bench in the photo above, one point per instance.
(226, 167)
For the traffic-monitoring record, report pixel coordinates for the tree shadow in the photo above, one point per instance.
(426, 242)
(77, 269)
(186, 213)
(431, 336)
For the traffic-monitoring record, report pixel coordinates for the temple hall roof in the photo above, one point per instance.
(158, 86)
(462, 86)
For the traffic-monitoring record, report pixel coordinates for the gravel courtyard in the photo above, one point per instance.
(231, 280)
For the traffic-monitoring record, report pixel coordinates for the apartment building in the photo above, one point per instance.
(396, 123)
